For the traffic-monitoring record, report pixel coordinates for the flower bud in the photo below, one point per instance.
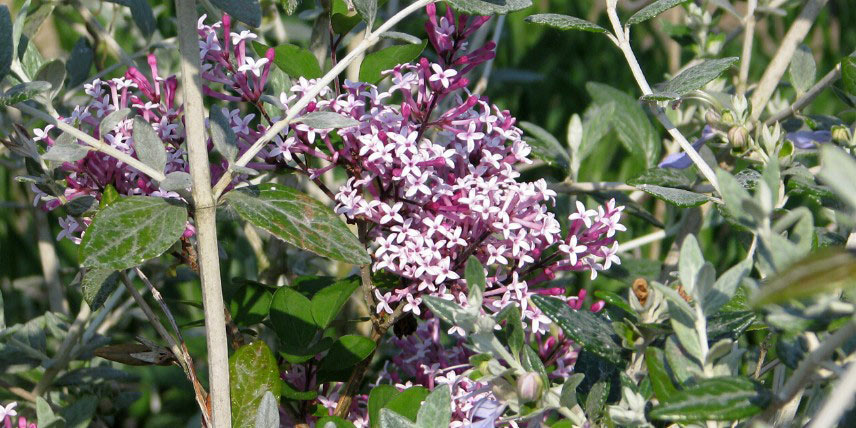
(529, 387)
(841, 134)
(738, 136)
(712, 117)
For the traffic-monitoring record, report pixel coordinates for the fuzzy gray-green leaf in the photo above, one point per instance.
(653, 10)
(148, 145)
(590, 331)
(719, 399)
(677, 197)
(564, 22)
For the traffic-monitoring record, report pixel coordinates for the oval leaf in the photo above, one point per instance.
(299, 220)
(719, 399)
(252, 374)
(326, 120)
(653, 10)
(592, 332)
(132, 230)
(565, 22)
(148, 145)
(293, 60)
(385, 59)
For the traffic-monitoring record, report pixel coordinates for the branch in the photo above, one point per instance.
(622, 39)
(809, 96)
(748, 38)
(98, 145)
(838, 401)
(773, 73)
(277, 127)
(205, 216)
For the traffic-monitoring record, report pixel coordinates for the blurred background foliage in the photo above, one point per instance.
(540, 75)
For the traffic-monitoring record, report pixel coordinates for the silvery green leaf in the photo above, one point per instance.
(476, 283)
(564, 22)
(112, 120)
(176, 180)
(247, 11)
(143, 16)
(390, 419)
(18, 28)
(32, 60)
(697, 76)
(36, 18)
(72, 152)
(705, 278)
(367, 10)
(596, 124)
(148, 145)
(53, 73)
(79, 414)
(404, 37)
(23, 92)
(79, 62)
(681, 365)
(80, 205)
(327, 120)
(449, 312)
(268, 414)
(546, 147)
(97, 285)
(435, 410)
(45, 415)
(652, 10)
(630, 122)
(848, 74)
(839, 173)
(489, 7)
(223, 135)
(734, 196)
(725, 286)
(6, 43)
(243, 170)
(683, 320)
(677, 197)
(691, 260)
(569, 390)
(802, 69)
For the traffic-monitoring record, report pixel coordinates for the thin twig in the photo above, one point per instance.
(808, 96)
(839, 400)
(92, 142)
(204, 215)
(621, 38)
(776, 69)
(292, 113)
(748, 38)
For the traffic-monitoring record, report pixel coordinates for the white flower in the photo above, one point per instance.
(244, 35)
(441, 75)
(252, 65)
(9, 410)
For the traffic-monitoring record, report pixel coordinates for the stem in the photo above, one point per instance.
(621, 38)
(748, 38)
(92, 142)
(838, 401)
(277, 127)
(50, 264)
(773, 73)
(205, 216)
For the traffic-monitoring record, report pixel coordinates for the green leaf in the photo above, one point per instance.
(148, 145)
(53, 73)
(299, 220)
(2, 313)
(546, 147)
(697, 76)
(666, 177)
(79, 414)
(564, 22)
(252, 373)
(293, 60)
(839, 173)
(718, 399)
(32, 60)
(289, 392)
(436, 410)
(386, 59)
(289, 5)
(652, 10)
(489, 7)
(824, 271)
(143, 16)
(689, 263)
(250, 304)
(514, 333)
(176, 180)
(45, 415)
(112, 120)
(327, 120)
(407, 402)
(291, 315)
(848, 74)
(336, 421)
(367, 10)
(595, 126)
(590, 331)
(79, 62)
(633, 127)
(476, 282)
(725, 286)
(247, 11)
(23, 92)
(267, 415)
(803, 69)
(98, 284)
(734, 195)
(327, 302)
(6, 44)
(728, 324)
(345, 353)
(390, 419)
(65, 151)
(677, 197)
(378, 397)
(132, 230)
(222, 135)
(662, 384)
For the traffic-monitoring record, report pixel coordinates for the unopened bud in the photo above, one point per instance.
(738, 136)
(529, 387)
(841, 134)
(712, 117)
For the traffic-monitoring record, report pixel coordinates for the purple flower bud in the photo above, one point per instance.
(529, 387)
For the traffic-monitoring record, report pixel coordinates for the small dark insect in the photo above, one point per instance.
(405, 326)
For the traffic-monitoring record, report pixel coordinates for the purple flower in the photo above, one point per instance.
(681, 160)
(808, 139)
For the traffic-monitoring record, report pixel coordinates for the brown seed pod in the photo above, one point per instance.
(640, 289)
